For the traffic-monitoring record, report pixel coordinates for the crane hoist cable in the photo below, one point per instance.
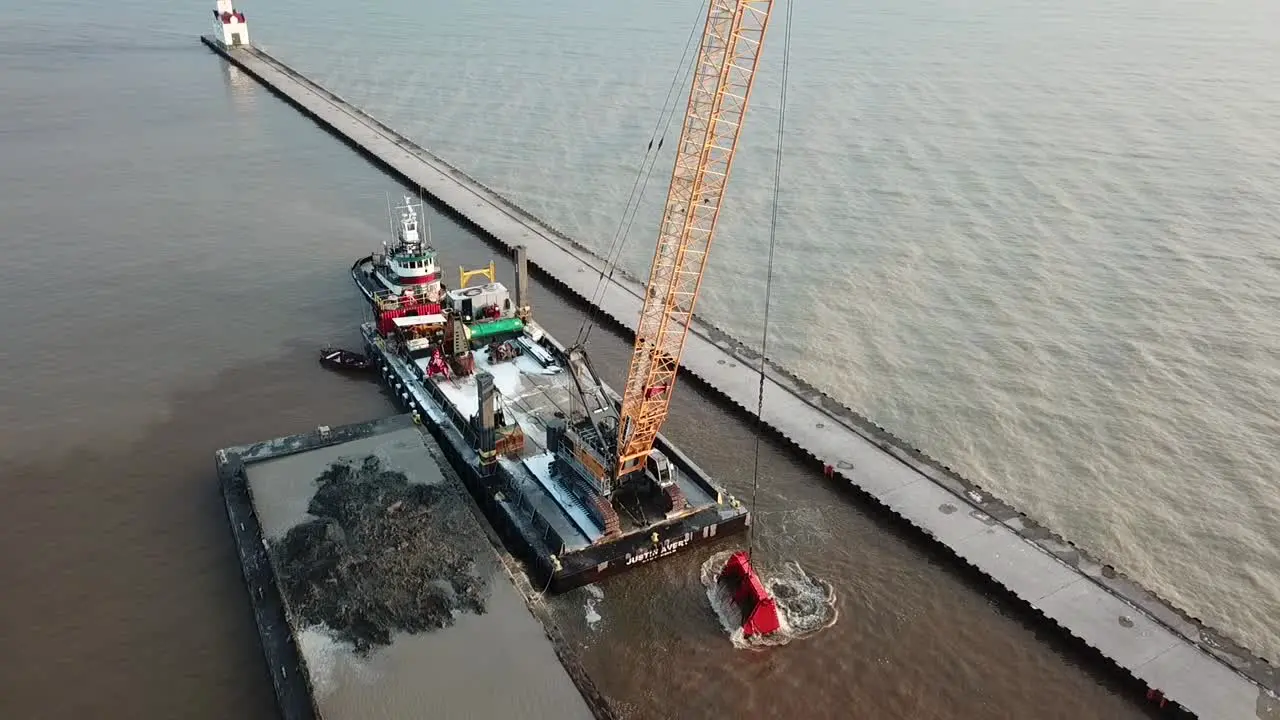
(613, 256)
(768, 282)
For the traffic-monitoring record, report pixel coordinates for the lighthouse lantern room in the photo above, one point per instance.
(229, 25)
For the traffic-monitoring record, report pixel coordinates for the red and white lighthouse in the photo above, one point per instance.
(229, 25)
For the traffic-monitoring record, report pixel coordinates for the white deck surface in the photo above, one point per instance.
(412, 320)
(540, 467)
(525, 389)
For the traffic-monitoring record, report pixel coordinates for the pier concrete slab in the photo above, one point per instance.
(1219, 698)
(1109, 624)
(998, 552)
(921, 501)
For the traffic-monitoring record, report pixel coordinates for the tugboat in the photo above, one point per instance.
(404, 270)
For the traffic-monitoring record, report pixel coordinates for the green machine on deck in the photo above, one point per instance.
(501, 326)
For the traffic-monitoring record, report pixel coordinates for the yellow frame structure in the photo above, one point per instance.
(465, 275)
(722, 81)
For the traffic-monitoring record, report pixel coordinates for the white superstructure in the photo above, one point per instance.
(409, 265)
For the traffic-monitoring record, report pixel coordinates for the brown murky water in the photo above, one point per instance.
(176, 244)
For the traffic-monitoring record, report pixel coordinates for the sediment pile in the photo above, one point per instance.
(381, 555)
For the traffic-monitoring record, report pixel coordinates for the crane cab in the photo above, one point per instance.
(662, 478)
(658, 470)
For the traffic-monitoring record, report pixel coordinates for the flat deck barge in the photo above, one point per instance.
(526, 423)
(319, 510)
(1190, 663)
(557, 533)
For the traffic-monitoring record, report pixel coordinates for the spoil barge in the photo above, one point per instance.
(1189, 663)
(346, 634)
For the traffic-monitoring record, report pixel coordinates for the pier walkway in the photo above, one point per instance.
(1192, 665)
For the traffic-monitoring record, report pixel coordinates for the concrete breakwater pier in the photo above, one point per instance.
(1187, 662)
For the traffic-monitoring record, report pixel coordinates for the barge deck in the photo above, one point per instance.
(524, 420)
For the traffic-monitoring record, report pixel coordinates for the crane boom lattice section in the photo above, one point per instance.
(722, 80)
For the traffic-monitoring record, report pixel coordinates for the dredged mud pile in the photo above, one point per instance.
(382, 555)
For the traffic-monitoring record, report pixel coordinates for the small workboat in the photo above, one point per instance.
(344, 360)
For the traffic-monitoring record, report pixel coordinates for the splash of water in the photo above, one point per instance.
(594, 596)
(806, 604)
(331, 661)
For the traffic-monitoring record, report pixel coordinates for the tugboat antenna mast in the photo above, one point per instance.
(391, 217)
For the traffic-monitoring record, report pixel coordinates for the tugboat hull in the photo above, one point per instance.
(362, 274)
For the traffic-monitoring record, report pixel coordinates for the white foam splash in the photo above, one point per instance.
(803, 525)
(806, 604)
(594, 596)
(330, 660)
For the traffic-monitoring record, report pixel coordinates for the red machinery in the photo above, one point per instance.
(759, 610)
(437, 366)
(391, 306)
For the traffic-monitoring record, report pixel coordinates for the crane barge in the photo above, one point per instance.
(578, 478)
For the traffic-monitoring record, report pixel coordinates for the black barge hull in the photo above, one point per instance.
(523, 532)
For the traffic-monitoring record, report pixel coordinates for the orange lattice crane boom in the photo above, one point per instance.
(722, 80)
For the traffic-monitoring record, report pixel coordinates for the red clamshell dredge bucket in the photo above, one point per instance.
(759, 611)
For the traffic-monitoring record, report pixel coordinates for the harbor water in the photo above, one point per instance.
(1011, 258)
